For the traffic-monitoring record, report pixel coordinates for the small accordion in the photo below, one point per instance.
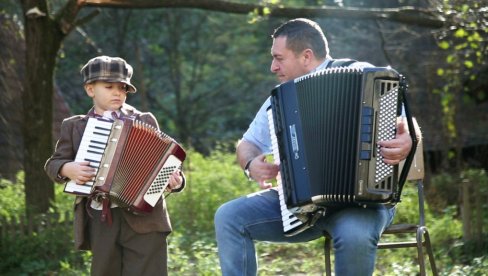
(133, 162)
(325, 127)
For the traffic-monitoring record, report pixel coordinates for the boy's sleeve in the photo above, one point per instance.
(63, 153)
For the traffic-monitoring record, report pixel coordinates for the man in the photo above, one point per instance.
(299, 47)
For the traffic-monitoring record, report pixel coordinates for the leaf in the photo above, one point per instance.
(460, 33)
(444, 45)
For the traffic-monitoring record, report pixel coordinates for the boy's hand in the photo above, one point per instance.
(175, 181)
(80, 172)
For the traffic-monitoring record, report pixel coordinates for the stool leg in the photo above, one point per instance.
(420, 251)
(429, 252)
(327, 249)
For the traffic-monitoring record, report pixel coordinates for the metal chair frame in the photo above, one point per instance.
(422, 238)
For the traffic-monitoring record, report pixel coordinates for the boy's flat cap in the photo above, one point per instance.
(109, 69)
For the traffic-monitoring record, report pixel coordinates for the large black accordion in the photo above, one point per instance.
(327, 125)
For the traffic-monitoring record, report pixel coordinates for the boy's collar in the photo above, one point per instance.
(125, 109)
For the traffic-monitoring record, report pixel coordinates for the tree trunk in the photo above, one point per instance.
(43, 40)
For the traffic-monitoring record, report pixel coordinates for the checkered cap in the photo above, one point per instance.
(109, 69)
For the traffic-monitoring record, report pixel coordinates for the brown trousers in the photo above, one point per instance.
(118, 250)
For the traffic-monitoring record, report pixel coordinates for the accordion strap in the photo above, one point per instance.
(106, 212)
(344, 62)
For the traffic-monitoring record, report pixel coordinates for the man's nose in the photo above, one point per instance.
(273, 67)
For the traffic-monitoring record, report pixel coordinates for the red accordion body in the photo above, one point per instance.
(135, 165)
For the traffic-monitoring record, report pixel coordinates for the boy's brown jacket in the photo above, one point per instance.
(70, 137)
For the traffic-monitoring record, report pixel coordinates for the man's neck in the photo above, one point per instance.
(320, 64)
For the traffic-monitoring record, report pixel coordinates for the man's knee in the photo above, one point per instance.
(225, 212)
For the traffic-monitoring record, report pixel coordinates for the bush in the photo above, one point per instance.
(44, 252)
(12, 202)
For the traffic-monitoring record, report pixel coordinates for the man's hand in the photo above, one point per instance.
(80, 172)
(397, 149)
(262, 171)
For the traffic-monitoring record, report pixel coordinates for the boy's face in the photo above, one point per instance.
(107, 96)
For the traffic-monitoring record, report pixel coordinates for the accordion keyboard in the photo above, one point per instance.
(92, 146)
(290, 221)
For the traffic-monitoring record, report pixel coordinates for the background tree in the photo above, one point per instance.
(44, 33)
(465, 45)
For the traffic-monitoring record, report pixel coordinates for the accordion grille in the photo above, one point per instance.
(329, 114)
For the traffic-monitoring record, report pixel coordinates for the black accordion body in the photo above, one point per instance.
(327, 125)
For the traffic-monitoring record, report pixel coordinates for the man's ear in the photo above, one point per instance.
(308, 57)
(89, 90)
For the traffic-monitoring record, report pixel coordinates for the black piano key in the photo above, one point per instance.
(94, 152)
(101, 134)
(103, 128)
(97, 142)
(95, 147)
(91, 160)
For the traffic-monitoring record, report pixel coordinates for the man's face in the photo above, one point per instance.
(286, 64)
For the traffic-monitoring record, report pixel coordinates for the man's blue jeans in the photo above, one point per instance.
(355, 233)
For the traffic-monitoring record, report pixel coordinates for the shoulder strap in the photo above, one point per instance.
(344, 62)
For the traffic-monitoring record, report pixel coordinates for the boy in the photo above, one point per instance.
(131, 244)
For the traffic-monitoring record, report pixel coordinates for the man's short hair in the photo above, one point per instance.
(301, 34)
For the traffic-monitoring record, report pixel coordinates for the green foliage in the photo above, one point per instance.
(12, 202)
(199, 258)
(44, 252)
(476, 267)
(443, 191)
(466, 50)
(39, 254)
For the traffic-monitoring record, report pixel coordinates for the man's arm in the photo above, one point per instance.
(246, 151)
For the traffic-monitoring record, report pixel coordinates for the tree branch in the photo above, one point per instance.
(407, 15)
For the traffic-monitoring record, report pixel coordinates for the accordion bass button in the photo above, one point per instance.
(101, 178)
